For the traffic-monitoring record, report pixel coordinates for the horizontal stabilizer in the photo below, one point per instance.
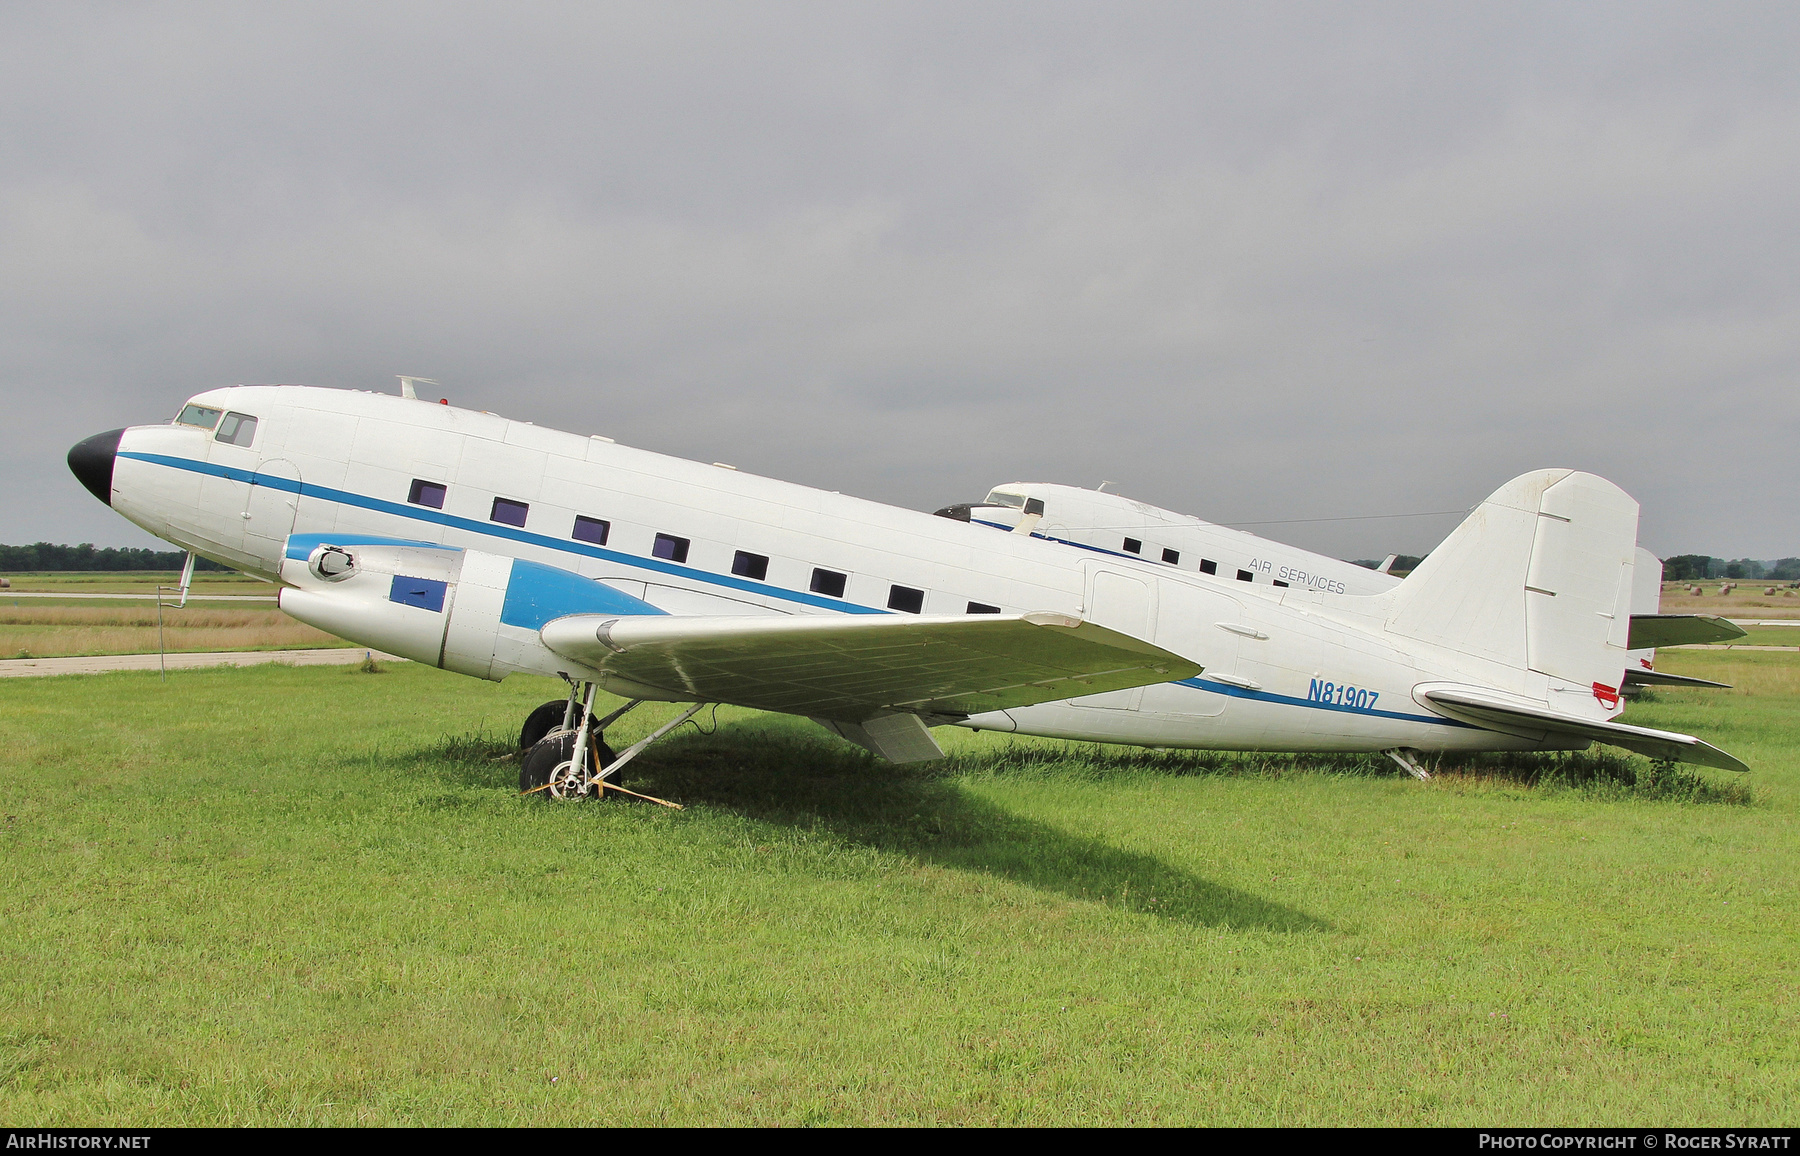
(1653, 630)
(1663, 678)
(853, 669)
(1509, 714)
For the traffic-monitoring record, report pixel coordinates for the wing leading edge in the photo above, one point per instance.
(853, 669)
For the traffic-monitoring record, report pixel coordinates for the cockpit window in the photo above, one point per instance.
(199, 415)
(239, 429)
(1002, 498)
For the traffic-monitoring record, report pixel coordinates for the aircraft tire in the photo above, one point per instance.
(542, 721)
(552, 751)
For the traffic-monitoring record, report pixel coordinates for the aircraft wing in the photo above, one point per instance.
(1652, 630)
(1494, 710)
(851, 669)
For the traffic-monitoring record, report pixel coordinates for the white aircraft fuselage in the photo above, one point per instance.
(1283, 669)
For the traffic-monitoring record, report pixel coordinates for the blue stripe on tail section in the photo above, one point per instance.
(536, 593)
(1230, 691)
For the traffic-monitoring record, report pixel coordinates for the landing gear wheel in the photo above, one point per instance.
(542, 721)
(552, 754)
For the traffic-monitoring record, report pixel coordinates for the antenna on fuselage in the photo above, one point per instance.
(407, 383)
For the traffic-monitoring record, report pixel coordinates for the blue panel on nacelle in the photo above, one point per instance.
(537, 593)
(425, 593)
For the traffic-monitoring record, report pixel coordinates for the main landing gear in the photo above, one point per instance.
(563, 749)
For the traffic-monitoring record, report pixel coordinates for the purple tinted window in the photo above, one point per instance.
(509, 512)
(426, 494)
(828, 582)
(748, 565)
(906, 600)
(670, 547)
(590, 530)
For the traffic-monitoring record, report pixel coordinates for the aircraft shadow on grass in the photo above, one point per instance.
(778, 777)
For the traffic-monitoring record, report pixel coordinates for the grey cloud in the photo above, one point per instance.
(1254, 262)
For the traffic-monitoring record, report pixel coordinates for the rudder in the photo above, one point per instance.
(1538, 577)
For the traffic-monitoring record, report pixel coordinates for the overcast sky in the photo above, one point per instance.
(1248, 261)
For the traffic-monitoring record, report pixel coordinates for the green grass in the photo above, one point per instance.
(312, 896)
(134, 581)
(1763, 636)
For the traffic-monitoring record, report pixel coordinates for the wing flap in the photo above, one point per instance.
(1494, 710)
(1653, 630)
(852, 669)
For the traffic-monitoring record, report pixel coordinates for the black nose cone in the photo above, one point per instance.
(91, 462)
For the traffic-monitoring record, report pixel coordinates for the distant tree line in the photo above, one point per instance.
(1697, 567)
(47, 556)
(1679, 568)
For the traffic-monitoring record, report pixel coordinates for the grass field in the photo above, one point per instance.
(48, 627)
(53, 627)
(1747, 601)
(136, 582)
(310, 896)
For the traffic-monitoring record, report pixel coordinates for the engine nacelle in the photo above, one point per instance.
(463, 610)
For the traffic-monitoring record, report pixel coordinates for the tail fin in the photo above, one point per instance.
(1538, 577)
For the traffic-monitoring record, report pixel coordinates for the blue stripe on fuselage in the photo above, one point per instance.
(469, 525)
(381, 505)
(1230, 691)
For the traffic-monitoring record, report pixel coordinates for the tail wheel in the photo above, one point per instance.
(541, 764)
(542, 721)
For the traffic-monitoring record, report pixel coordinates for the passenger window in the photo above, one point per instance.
(1133, 545)
(982, 608)
(425, 493)
(199, 415)
(747, 565)
(1245, 576)
(509, 512)
(906, 599)
(590, 530)
(1208, 566)
(1172, 557)
(670, 548)
(1280, 583)
(829, 583)
(238, 429)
